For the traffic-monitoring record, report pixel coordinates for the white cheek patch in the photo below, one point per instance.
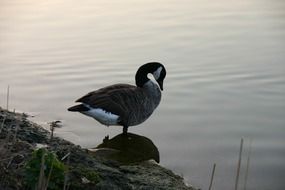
(104, 117)
(156, 74)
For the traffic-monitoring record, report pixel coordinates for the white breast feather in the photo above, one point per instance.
(104, 117)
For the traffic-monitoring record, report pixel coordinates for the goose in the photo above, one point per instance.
(124, 104)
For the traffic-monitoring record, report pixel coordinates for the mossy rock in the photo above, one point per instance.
(128, 149)
(82, 176)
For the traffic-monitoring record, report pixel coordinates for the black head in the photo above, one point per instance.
(156, 69)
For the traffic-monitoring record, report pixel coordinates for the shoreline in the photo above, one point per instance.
(106, 167)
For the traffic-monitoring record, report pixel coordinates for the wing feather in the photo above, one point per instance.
(117, 99)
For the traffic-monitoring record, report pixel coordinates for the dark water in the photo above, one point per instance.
(226, 72)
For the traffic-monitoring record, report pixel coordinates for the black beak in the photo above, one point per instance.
(160, 84)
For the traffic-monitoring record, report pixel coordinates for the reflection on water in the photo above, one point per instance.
(225, 62)
(127, 149)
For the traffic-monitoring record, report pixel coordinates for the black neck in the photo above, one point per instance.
(141, 76)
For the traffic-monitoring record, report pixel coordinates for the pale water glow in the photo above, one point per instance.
(225, 76)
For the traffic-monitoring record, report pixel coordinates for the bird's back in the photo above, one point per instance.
(132, 104)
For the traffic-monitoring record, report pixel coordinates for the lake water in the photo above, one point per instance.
(226, 76)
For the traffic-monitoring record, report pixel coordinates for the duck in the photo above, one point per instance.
(125, 105)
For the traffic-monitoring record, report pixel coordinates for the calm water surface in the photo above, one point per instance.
(226, 74)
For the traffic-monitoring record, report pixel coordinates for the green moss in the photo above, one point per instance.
(81, 172)
(53, 170)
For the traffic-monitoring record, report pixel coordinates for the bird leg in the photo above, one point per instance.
(125, 130)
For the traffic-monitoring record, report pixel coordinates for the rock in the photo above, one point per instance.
(127, 149)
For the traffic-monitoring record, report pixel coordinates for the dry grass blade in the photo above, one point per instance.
(66, 178)
(212, 176)
(41, 182)
(65, 156)
(247, 165)
(49, 175)
(7, 100)
(239, 163)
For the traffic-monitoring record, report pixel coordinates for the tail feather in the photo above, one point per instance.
(78, 108)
